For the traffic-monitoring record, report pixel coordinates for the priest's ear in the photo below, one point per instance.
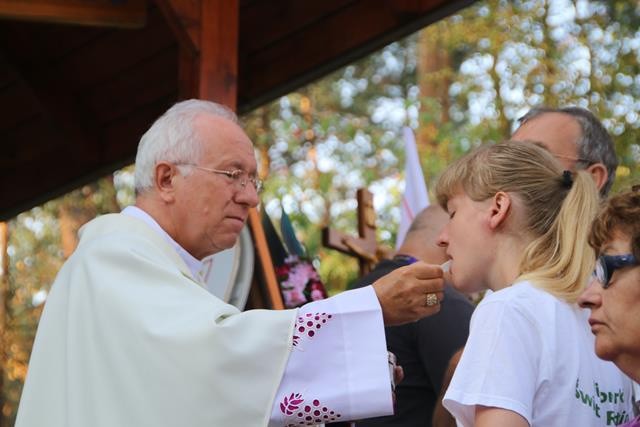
(164, 180)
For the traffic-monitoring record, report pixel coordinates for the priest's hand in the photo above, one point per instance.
(410, 293)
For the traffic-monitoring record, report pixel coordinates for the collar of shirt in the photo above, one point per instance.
(194, 264)
(406, 259)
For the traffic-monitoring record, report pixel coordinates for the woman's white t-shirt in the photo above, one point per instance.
(533, 353)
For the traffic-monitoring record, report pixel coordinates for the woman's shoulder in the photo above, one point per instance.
(525, 299)
(520, 292)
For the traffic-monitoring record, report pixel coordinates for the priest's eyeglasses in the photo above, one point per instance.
(606, 265)
(239, 178)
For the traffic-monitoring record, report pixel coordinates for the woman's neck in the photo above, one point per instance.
(630, 365)
(506, 268)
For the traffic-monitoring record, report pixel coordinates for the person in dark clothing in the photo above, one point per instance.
(422, 348)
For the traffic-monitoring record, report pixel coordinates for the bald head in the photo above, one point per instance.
(420, 241)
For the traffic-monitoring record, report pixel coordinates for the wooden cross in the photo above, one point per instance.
(364, 247)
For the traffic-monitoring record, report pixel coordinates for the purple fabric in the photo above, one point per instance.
(633, 423)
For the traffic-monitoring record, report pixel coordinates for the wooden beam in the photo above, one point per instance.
(108, 13)
(218, 71)
(183, 16)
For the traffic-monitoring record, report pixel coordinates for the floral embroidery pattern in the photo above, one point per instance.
(297, 413)
(299, 282)
(291, 403)
(308, 325)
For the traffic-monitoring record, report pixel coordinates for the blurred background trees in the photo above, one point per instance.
(458, 83)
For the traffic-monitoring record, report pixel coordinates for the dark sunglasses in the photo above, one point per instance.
(606, 265)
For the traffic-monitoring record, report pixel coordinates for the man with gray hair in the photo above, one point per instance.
(129, 337)
(576, 137)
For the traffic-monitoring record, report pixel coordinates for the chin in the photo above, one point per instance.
(228, 241)
(604, 351)
(212, 247)
(466, 286)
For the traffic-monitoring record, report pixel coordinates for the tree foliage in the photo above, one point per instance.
(459, 83)
(39, 242)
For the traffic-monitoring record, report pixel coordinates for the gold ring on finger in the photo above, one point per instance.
(432, 299)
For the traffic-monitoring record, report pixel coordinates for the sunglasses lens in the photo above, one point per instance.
(600, 273)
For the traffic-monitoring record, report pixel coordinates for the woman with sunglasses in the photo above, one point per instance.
(519, 226)
(614, 297)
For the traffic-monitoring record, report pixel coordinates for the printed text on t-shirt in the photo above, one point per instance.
(603, 397)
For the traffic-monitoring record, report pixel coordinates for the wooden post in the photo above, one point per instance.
(219, 51)
(363, 247)
(217, 81)
(4, 284)
(208, 37)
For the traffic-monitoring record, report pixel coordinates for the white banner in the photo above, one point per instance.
(415, 196)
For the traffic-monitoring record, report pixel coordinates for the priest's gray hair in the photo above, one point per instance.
(173, 138)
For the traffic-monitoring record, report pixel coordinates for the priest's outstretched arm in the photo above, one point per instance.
(129, 337)
(338, 368)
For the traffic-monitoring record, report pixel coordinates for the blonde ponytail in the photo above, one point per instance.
(561, 260)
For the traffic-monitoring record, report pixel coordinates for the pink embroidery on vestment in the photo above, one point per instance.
(297, 412)
(308, 326)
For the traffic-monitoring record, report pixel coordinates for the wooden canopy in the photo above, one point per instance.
(81, 80)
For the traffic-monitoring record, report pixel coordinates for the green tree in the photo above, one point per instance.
(39, 242)
(459, 83)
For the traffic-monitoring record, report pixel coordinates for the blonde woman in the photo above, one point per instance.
(518, 226)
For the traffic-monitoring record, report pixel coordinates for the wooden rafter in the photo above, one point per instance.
(120, 80)
(183, 16)
(109, 13)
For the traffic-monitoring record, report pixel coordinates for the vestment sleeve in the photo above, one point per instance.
(499, 366)
(338, 368)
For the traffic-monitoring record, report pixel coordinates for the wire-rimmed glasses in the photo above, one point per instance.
(239, 177)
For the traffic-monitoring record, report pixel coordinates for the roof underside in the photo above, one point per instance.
(74, 99)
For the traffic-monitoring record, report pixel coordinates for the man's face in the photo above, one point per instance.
(211, 209)
(558, 132)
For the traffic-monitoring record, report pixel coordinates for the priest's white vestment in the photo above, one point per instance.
(128, 337)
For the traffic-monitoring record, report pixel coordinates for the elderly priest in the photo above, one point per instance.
(129, 337)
